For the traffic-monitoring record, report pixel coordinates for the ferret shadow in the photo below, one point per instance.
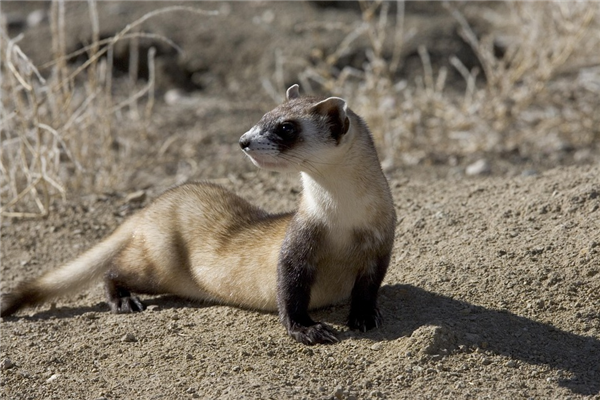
(163, 302)
(407, 308)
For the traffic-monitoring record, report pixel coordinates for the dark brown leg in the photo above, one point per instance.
(120, 299)
(364, 314)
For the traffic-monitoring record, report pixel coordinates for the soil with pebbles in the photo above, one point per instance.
(493, 289)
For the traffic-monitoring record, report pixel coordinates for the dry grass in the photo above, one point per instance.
(57, 126)
(412, 119)
(57, 131)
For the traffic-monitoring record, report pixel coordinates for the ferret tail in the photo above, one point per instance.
(70, 277)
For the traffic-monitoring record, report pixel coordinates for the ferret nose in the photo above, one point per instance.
(244, 141)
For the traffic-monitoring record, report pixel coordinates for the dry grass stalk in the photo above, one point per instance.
(58, 134)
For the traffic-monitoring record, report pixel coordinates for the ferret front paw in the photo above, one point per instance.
(364, 321)
(313, 334)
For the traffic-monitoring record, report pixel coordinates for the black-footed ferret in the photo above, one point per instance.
(200, 241)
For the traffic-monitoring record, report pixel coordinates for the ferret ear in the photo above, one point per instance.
(293, 92)
(335, 109)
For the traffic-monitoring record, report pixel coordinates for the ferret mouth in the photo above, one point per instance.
(266, 161)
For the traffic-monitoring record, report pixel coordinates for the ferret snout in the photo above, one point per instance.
(248, 138)
(245, 141)
(257, 141)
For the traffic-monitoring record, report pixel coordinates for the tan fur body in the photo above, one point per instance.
(200, 241)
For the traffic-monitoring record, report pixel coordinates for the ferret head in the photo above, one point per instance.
(302, 134)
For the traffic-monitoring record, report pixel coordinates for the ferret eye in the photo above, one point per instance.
(287, 130)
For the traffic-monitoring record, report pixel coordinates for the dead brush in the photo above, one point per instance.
(58, 132)
(539, 39)
(413, 119)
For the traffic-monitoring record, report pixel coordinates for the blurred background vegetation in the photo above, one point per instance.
(96, 93)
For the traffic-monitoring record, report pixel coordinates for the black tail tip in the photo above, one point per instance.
(9, 304)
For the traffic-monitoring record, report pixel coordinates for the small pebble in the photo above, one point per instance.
(52, 378)
(35, 18)
(479, 167)
(529, 172)
(129, 338)
(376, 346)
(7, 364)
(338, 393)
(174, 96)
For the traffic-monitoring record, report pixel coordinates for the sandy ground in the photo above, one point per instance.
(493, 289)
